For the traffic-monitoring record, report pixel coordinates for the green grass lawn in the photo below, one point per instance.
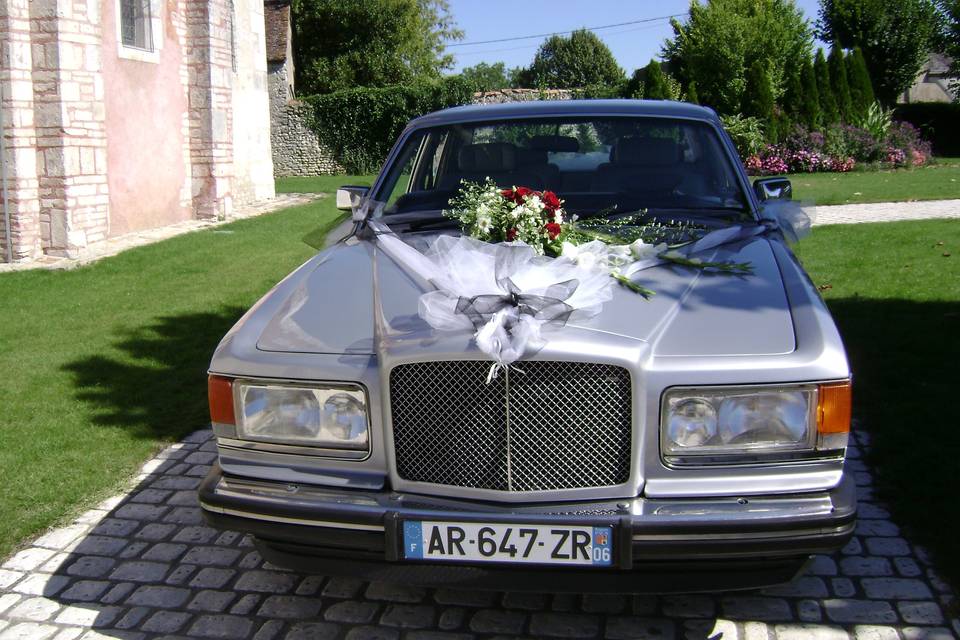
(104, 363)
(938, 181)
(896, 298)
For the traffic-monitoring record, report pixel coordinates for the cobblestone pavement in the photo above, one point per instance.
(143, 565)
(886, 212)
(113, 246)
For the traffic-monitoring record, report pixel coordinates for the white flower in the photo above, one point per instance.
(641, 250)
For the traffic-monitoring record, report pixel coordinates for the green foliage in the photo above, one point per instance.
(949, 19)
(720, 40)
(691, 95)
(747, 134)
(895, 37)
(655, 85)
(487, 77)
(342, 44)
(634, 86)
(861, 89)
(810, 105)
(839, 83)
(829, 113)
(360, 125)
(571, 62)
(877, 121)
(758, 97)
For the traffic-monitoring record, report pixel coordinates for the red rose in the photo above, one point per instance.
(511, 235)
(507, 193)
(522, 193)
(553, 230)
(551, 200)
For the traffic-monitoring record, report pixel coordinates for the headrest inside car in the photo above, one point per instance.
(492, 157)
(567, 144)
(646, 151)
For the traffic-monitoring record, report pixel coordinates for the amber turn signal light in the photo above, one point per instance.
(834, 408)
(220, 394)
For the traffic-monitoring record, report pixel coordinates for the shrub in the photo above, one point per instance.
(877, 121)
(861, 89)
(360, 125)
(938, 123)
(828, 102)
(746, 133)
(810, 107)
(840, 84)
(905, 138)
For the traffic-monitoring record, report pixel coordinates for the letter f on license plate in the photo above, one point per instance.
(497, 542)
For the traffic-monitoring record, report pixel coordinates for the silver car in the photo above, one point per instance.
(691, 441)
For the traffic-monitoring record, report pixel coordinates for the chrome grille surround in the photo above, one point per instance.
(557, 425)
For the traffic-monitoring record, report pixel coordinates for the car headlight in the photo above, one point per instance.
(749, 424)
(327, 417)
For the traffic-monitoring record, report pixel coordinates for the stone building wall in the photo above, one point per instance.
(101, 138)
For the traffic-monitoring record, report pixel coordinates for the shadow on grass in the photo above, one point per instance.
(905, 357)
(157, 386)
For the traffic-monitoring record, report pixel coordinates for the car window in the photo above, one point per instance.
(627, 163)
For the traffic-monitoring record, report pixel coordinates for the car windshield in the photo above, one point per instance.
(597, 165)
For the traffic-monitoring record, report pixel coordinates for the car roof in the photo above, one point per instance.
(553, 108)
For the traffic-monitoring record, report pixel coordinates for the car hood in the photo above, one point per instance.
(353, 298)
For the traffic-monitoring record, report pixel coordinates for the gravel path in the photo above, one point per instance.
(143, 565)
(886, 212)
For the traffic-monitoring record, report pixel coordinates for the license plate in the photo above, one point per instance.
(498, 542)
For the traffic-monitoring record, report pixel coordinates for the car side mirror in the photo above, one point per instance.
(773, 189)
(349, 197)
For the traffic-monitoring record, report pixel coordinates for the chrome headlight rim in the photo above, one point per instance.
(238, 440)
(807, 451)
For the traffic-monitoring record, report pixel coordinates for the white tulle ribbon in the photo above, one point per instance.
(508, 295)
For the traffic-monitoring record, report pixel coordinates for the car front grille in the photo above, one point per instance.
(542, 426)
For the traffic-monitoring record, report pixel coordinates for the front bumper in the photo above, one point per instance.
(663, 545)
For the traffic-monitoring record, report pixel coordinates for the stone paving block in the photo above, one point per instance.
(42, 584)
(888, 546)
(213, 601)
(158, 596)
(564, 625)
(212, 578)
(60, 538)
(150, 496)
(57, 562)
(808, 631)
(96, 545)
(85, 590)
(874, 632)
(803, 587)
(221, 626)
(70, 633)
(115, 527)
(896, 589)
(756, 608)
(688, 606)
(437, 635)
(809, 611)
(8, 577)
(211, 556)
(877, 528)
(165, 551)
(756, 631)
(178, 483)
(310, 586)
(395, 592)
(245, 604)
(866, 566)
(907, 567)
(328, 631)
(497, 621)
(133, 550)
(351, 612)
(607, 603)
(527, 601)
(927, 633)
(465, 598)
(407, 616)
(196, 534)
(295, 607)
(452, 618)
(28, 559)
(88, 615)
(822, 566)
(118, 592)
(155, 531)
(180, 574)
(920, 612)
(859, 611)
(266, 582)
(36, 609)
(270, 630)
(166, 622)
(186, 498)
(718, 629)
(184, 515)
(636, 628)
(250, 561)
(28, 631)
(7, 600)
(843, 587)
(866, 510)
(140, 571)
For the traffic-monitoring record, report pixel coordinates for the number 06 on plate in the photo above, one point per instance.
(507, 543)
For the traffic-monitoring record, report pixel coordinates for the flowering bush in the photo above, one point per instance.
(492, 214)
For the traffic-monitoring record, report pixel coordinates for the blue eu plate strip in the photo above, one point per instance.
(412, 539)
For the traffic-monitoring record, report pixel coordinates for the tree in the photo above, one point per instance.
(861, 89)
(343, 44)
(690, 95)
(950, 38)
(810, 104)
(829, 114)
(839, 83)
(487, 77)
(720, 39)
(578, 60)
(895, 36)
(758, 97)
(655, 85)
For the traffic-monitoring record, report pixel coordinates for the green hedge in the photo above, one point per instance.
(939, 122)
(360, 125)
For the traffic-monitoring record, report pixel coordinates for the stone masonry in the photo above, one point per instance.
(143, 565)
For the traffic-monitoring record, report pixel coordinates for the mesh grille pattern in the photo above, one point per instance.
(569, 425)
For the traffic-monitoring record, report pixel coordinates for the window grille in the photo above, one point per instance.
(136, 27)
